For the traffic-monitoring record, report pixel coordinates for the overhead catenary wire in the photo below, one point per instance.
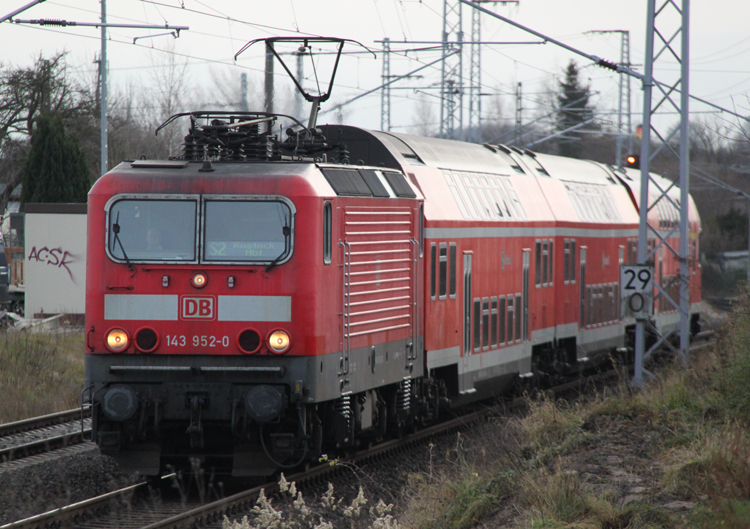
(205, 9)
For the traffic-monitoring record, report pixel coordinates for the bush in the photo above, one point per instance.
(295, 513)
(717, 282)
(733, 354)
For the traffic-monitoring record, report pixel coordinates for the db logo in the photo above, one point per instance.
(198, 308)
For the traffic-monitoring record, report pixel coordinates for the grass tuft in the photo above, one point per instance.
(684, 438)
(459, 496)
(41, 373)
(717, 466)
(550, 428)
(559, 499)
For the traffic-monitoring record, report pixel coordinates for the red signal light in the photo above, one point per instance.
(633, 161)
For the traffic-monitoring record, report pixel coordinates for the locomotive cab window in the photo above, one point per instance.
(247, 230)
(141, 229)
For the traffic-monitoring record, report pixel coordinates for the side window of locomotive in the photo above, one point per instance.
(421, 230)
(509, 328)
(452, 268)
(152, 230)
(551, 271)
(398, 183)
(519, 316)
(493, 321)
(501, 322)
(538, 263)
(433, 266)
(485, 323)
(477, 324)
(327, 232)
(247, 231)
(572, 260)
(443, 271)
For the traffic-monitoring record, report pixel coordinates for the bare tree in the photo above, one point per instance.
(131, 128)
(169, 93)
(424, 121)
(25, 94)
(495, 124)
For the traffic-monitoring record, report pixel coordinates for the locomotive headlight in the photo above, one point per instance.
(199, 280)
(279, 342)
(117, 340)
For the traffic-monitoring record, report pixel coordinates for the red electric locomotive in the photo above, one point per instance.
(258, 301)
(246, 309)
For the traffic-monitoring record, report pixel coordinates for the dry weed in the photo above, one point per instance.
(41, 374)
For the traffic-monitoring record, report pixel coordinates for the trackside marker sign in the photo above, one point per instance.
(637, 291)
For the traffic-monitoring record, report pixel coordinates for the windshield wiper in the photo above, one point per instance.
(116, 231)
(286, 231)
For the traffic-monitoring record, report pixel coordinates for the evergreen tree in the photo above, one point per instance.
(56, 169)
(574, 109)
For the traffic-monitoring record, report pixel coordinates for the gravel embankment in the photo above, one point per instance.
(27, 488)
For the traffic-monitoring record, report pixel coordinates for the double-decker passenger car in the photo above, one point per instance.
(258, 301)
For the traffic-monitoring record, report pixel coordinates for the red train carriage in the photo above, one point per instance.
(288, 297)
(524, 251)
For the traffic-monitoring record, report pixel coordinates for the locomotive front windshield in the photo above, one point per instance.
(246, 231)
(234, 231)
(152, 230)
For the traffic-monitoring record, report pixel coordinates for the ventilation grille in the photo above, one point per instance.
(379, 271)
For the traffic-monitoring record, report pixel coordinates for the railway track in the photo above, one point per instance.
(39, 435)
(132, 507)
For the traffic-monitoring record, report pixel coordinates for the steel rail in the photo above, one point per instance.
(244, 501)
(41, 446)
(59, 517)
(40, 422)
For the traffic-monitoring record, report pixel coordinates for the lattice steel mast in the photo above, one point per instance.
(451, 79)
(475, 79)
(385, 95)
(624, 120)
(673, 26)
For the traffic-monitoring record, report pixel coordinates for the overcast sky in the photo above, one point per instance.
(720, 47)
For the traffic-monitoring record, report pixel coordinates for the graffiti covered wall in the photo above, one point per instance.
(55, 260)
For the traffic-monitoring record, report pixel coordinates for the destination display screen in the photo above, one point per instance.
(247, 231)
(245, 250)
